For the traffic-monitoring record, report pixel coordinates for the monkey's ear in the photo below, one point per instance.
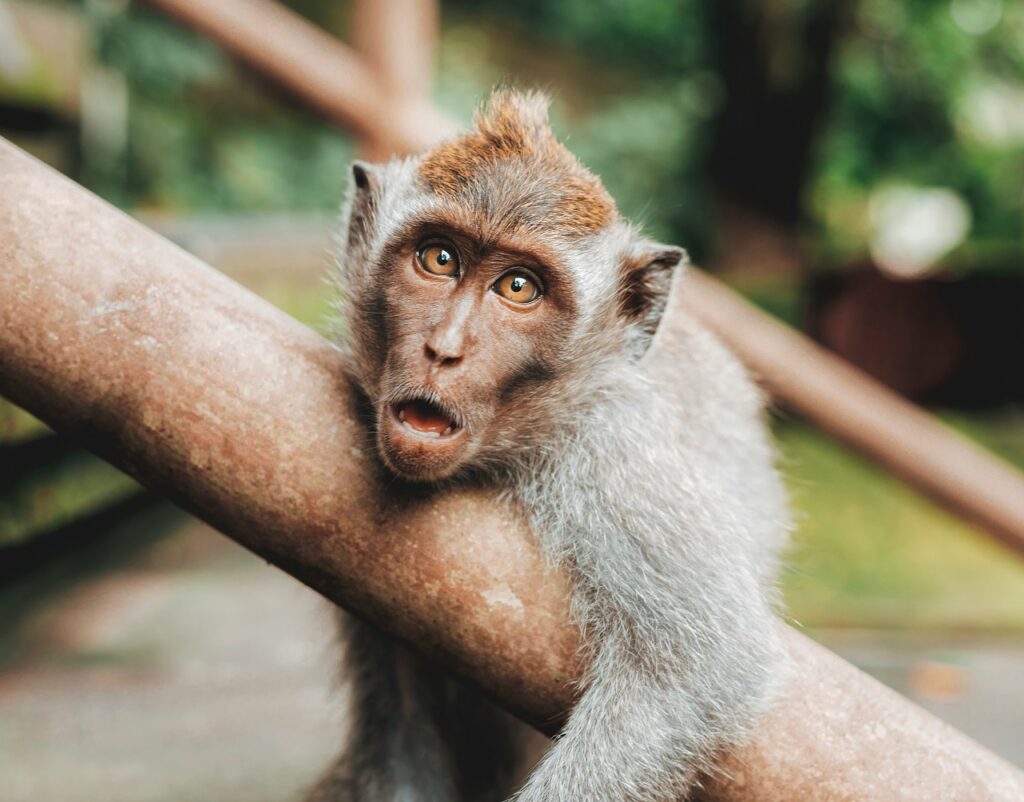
(364, 176)
(362, 200)
(646, 281)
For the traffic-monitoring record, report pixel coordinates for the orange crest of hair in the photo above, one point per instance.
(512, 130)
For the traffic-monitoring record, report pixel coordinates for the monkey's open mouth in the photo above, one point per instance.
(426, 418)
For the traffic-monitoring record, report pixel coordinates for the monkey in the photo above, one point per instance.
(498, 315)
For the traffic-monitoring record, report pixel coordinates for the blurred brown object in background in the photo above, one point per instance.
(930, 679)
(951, 341)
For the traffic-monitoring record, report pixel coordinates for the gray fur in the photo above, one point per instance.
(665, 509)
(659, 499)
(416, 734)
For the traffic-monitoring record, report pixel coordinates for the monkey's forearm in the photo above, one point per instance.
(635, 737)
(603, 757)
(670, 597)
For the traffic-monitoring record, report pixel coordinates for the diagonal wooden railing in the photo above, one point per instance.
(841, 400)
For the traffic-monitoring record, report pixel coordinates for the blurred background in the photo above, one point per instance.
(855, 167)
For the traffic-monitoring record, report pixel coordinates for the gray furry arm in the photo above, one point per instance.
(672, 559)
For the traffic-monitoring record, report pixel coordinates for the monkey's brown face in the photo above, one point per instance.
(467, 331)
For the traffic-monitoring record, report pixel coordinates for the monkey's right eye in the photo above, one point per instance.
(440, 260)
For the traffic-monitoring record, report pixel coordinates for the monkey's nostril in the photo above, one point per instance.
(438, 358)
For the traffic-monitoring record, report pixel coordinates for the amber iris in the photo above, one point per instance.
(518, 288)
(439, 260)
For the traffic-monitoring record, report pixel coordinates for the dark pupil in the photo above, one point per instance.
(518, 283)
(443, 257)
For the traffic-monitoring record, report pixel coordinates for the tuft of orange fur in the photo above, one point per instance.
(512, 131)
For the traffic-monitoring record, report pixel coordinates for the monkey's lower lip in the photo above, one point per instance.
(425, 419)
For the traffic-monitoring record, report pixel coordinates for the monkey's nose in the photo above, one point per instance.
(441, 358)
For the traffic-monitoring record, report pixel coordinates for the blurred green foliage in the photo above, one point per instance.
(916, 98)
(52, 493)
(921, 92)
(203, 135)
(57, 494)
(869, 551)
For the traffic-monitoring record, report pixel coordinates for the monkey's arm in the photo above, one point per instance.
(627, 739)
(664, 547)
(654, 712)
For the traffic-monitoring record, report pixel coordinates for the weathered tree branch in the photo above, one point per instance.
(202, 390)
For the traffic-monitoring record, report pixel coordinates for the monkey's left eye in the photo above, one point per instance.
(438, 259)
(517, 287)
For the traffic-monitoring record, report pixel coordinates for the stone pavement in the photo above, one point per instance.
(973, 681)
(193, 671)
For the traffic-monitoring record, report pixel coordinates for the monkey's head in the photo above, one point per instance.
(483, 285)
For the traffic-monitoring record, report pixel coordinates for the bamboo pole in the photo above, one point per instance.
(205, 392)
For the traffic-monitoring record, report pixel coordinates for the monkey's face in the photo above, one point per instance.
(483, 283)
(468, 333)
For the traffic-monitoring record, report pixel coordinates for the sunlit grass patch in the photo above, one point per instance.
(869, 551)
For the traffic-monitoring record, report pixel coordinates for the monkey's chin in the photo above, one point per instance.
(419, 456)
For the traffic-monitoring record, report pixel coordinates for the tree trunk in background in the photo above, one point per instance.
(775, 65)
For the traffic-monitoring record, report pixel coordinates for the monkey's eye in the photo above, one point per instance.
(438, 259)
(517, 287)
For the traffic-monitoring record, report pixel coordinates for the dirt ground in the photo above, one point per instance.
(193, 671)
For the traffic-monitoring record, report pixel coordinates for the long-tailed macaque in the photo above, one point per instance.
(497, 311)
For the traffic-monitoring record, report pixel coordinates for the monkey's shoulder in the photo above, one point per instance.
(692, 366)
